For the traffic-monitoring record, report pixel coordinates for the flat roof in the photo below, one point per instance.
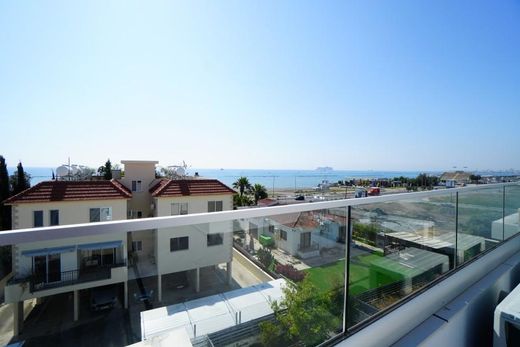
(213, 313)
(444, 240)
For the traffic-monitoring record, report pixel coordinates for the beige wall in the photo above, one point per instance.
(71, 212)
(143, 171)
(196, 204)
(199, 253)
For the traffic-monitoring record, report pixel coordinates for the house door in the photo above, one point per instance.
(305, 240)
(54, 268)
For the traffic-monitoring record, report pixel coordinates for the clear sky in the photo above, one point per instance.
(392, 85)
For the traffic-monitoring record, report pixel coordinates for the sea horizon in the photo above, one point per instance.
(279, 178)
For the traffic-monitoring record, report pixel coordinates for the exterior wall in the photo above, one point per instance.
(71, 212)
(199, 254)
(143, 171)
(196, 204)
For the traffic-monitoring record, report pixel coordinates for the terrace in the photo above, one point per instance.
(391, 286)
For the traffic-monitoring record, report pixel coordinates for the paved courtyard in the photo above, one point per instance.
(51, 322)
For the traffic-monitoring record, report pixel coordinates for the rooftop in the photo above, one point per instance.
(49, 191)
(189, 187)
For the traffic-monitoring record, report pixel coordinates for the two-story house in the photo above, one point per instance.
(44, 268)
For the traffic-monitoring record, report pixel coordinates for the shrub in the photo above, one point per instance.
(265, 257)
(290, 272)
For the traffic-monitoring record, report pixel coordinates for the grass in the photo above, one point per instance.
(325, 277)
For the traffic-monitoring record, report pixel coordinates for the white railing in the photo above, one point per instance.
(57, 232)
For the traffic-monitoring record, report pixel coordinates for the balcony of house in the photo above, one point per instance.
(61, 269)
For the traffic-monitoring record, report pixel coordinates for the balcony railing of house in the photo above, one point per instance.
(398, 247)
(38, 282)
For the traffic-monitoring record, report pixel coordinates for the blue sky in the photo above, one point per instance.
(391, 85)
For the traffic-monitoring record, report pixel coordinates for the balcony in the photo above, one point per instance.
(404, 258)
(68, 278)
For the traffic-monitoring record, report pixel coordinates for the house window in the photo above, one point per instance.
(139, 214)
(214, 206)
(179, 243)
(100, 214)
(137, 246)
(283, 235)
(38, 219)
(136, 186)
(271, 229)
(215, 239)
(54, 217)
(179, 208)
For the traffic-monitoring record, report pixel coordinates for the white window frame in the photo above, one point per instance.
(137, 186)
(214, 207)
(101, 219)
(179, 208)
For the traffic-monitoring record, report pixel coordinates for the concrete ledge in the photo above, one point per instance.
(252, 267)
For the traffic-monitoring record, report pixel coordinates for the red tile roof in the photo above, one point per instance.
(304, 220)
(172, 188)
(48, 191)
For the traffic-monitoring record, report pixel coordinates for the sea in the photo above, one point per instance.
(277, 179)
(271, 179)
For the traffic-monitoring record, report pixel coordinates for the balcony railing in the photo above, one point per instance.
(38, 282)
(396, 246)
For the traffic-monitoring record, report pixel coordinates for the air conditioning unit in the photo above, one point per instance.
(506, 325)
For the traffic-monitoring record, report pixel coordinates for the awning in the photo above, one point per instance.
(101, 245)
(45, 251)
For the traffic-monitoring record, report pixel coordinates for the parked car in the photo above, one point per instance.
(103, 298)
(300, 197)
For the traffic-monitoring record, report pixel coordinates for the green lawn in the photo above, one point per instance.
(324, 277)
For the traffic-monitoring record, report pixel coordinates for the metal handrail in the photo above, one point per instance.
(70, 277)
(19, 236)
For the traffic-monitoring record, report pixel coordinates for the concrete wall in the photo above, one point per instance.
(143, 171)
(251, 267)
(199, 253)
(71, 212)
(196, 204)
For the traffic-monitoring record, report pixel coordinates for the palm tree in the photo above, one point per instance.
(259, 191)
(242, 184)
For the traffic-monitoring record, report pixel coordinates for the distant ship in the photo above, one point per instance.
(324, 168)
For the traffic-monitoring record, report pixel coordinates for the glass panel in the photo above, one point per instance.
(396, 249)
(306, 251)
(512, 211)
(480, 223)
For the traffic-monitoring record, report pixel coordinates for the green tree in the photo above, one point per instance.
(241, 200)
(5, 211)
(259, 191)
(242, 184)
(20, 181)
(106, 170)
(302, 315)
